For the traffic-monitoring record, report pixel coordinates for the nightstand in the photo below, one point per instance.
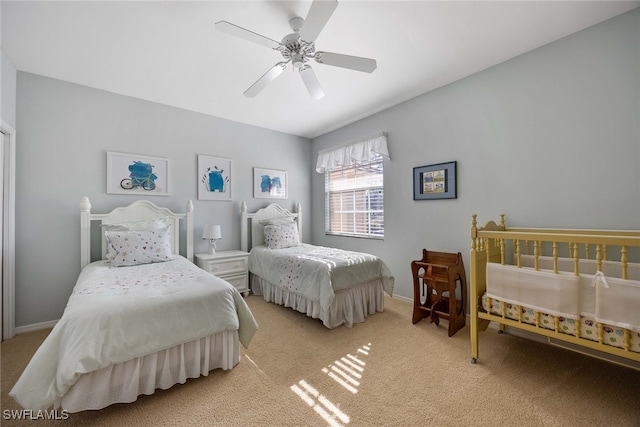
(232, 266)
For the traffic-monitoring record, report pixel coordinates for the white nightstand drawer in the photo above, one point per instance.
(227, 266)
(240, 281)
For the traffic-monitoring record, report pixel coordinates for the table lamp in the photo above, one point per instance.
(212, 233)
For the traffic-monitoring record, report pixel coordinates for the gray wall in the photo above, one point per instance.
(64, 132)
(550, 138)
(7, 90)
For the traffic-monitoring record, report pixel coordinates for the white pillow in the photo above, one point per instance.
(139, 247)
(280, 236)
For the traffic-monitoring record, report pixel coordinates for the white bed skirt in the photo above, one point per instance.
(124, 382)
(349, 306)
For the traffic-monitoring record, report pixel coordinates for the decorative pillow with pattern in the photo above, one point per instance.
(280, 236)
(139, 247)
(152, 224)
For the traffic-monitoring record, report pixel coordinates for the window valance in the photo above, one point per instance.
(365, 150)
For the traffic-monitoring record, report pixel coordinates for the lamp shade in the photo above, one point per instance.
(211, 232)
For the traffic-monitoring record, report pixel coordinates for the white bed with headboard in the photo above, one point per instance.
(142, 318)
(336, 286)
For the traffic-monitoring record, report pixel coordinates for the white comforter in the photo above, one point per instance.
(317, 272)
(117, 314)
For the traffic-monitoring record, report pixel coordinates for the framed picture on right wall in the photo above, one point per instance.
(436, 181)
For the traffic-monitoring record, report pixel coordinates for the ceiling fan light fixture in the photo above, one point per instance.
(298, 60)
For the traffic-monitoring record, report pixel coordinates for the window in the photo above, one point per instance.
(353, 187)
(354, 199)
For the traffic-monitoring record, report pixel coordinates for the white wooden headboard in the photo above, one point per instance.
(251, 221)
(140, 210)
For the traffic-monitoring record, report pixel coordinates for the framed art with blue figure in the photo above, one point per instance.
(214, 178)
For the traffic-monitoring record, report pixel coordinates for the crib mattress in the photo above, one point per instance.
(613, 335)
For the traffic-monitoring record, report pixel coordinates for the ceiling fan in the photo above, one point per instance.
(298, 48)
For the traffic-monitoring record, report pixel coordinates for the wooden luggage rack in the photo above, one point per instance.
(439, 272)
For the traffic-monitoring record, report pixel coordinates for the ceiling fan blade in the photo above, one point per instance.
(319, 13)
(311, 82)
(266, 78)
(234, 30)
(357, 63)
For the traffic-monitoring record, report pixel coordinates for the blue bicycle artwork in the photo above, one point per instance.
(141, 175)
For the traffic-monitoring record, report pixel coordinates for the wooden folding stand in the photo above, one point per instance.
(439, 272)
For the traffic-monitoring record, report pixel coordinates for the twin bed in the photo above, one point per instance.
(140, 319)
(578, 288)
(336, 286)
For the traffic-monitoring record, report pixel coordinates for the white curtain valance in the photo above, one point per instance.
(365, 150)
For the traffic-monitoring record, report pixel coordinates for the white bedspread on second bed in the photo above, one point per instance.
(117, 314)
(316, 272)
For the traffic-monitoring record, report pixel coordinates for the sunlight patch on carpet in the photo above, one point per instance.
(348, 373)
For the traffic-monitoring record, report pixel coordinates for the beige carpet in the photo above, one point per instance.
(384, 372)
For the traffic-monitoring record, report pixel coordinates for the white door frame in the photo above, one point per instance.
(9, 233)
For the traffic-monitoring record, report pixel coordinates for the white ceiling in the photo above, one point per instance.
(169, 52)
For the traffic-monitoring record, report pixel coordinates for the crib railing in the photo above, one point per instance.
(548, 242)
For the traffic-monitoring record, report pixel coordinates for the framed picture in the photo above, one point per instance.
(269, 183)
(136, 174)
(435, 182)
(214, 178)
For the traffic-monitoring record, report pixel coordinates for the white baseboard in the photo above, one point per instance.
(400, 297)
(35, 327)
